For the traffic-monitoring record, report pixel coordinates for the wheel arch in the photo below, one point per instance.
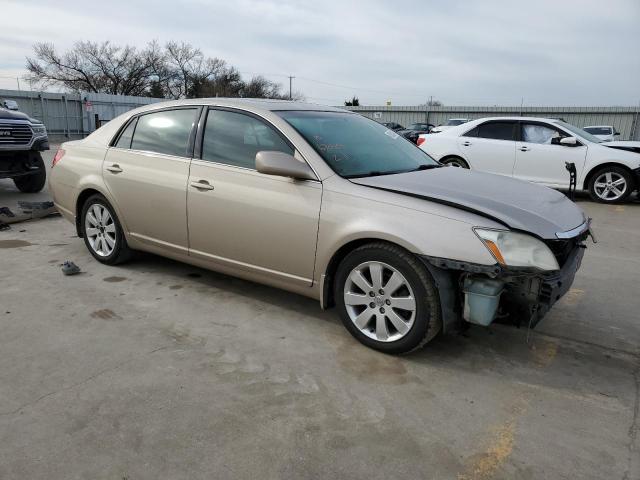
(328, 277)
(86, 192)
(596, 168)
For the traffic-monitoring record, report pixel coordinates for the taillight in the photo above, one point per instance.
(57, 157)
(420, 140)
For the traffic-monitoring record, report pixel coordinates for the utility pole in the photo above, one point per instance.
(290, 87)
(18, 80)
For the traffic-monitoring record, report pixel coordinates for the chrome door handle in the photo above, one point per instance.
(202, 185)
(115, 168)
(524, 149)
(466, 144)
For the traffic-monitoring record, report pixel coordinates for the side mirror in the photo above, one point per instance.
(569, 141)
(282, 164)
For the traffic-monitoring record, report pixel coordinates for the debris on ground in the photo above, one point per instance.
(26, 211)
(70, 268)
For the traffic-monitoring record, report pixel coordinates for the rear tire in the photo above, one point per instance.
(102, 232)
(455, 162)
(611, 185)
(35, 182)
(399, 320)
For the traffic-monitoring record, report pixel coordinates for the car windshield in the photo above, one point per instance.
(598, 130)
(578, 132)
(355, 146)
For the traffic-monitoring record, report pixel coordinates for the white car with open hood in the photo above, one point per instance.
(536, 150)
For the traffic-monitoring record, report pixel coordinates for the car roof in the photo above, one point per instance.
(247, 103)
(526, 119)
(598, 126)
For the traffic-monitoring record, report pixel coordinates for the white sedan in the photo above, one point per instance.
(606, 133)
(536, 149)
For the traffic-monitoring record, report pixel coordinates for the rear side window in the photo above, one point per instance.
(165, 132)
(235, 138)
(127, 134)
(496, 130)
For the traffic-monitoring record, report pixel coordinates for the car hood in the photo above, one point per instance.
(630, 146)
(11, 115)
(516, 204)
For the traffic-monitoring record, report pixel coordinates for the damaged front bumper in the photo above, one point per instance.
(481, 294)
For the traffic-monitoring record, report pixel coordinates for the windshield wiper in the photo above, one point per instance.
(373, 173)
(427, 166)
(377, 173)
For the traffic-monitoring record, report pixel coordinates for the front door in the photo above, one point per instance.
(146, 172)
(243, 220)
(541, 159)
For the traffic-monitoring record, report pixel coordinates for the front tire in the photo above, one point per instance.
(611, 185)
(102, 232)
(387, 298)
(455, 162)
(35, 182)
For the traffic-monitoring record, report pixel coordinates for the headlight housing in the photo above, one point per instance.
(514, 249)
(39, 130)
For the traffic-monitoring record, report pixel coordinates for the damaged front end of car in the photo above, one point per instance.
(529, 277)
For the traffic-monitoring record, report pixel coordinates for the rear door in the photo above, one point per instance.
(243, 220)
(146, 171)
(541, 159)
(490, 146)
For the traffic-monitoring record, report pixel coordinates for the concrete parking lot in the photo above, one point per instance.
(156, 369)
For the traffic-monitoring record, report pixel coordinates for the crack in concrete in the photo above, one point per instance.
(590, 344)
(86, 380)
(633, 428)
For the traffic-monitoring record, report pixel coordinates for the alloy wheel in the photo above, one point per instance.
(610, 186)
(379, 301)
(100, 230)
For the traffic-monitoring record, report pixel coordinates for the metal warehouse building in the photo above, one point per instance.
(74, 115)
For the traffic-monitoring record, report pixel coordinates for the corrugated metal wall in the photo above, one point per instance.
(66, 114)
(624, 119)
(69, 115)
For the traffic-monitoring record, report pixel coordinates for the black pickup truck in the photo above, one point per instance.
(21, 140)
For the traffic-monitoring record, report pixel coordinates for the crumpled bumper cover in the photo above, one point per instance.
(528, 293)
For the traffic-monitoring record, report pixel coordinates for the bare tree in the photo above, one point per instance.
(177, 70)
(95, 67)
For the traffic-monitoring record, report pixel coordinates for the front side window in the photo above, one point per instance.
(536, 133)
(578, 132)
(355, 146)
(165, 132)
(235, 138)
(496, 130)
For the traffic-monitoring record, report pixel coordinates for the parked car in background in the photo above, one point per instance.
(452, 122)
(21, 140)
(393, 126)
(413, 131)
(536, 150)
(606, 133)
(403, 247)
(9, 105)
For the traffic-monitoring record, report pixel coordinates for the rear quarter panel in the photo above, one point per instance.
(79, 169)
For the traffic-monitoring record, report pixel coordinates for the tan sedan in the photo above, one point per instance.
(325, 203)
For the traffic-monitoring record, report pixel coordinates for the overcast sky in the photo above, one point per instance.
(460, 52)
